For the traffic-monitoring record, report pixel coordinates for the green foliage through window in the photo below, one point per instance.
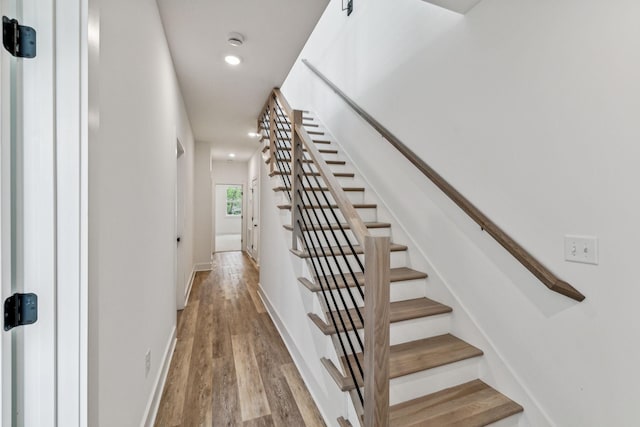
(234, 201)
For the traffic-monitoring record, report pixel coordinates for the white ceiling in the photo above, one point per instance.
(222, 101)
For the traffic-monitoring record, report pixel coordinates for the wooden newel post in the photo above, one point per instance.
(296, 173)
(272, 133)
(376, 330)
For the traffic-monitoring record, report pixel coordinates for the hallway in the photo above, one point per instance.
(230, 366)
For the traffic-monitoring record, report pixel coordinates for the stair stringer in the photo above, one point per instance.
(494, 368)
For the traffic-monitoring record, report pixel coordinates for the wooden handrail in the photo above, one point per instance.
(358, 228)
(283, 101)
(549, 279)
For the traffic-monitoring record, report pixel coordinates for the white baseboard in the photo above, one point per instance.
(150, 413)
(202, 266)
(298, 360)
(187, 291)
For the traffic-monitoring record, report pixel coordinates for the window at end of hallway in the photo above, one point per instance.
(234, 201)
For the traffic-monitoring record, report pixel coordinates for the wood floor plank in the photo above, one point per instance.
(253, 399)
(266, 421)
(225, 405)
(222, 306)
(257, 301)
(306, 406)
(176, 385)
(199, 393)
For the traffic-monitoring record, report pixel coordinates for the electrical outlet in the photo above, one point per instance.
(147, 363)
(582, 249)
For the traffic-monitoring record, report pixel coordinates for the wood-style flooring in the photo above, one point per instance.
(230, 366)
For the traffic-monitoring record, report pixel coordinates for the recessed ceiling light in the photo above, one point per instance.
(232, 155)
(253, 135)
(235, 39)
(232, 60)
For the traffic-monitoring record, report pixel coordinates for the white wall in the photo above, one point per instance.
(136, 115)
(229, 172)
(225, 224)
(529, 109)
(203, 233)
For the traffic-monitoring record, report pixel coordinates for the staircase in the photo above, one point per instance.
(325, 222)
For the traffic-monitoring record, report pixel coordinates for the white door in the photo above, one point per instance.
(254, 240)
(181, 271)
(27, 193)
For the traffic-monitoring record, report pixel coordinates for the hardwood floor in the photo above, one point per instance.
(230, 366)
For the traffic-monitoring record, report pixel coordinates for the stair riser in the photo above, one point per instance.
(512, 421)
(421, 383)
(367, 215)
(426, 382)
(410, 330)
(338, 238)
(325, 156)
(343, 181)
(398, 259)
(399, 291)
(353, 196)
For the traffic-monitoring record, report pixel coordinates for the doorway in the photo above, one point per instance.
(228, 217)
(180, 268)
(253, 225)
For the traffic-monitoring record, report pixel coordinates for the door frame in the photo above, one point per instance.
(77, 47)
(243, 218)
(254, 189)
(181, 282)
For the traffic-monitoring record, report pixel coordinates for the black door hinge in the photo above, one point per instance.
(19, 40)
(19, 310)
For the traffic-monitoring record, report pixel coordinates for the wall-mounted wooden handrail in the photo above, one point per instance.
(358, 228)
(525, 258)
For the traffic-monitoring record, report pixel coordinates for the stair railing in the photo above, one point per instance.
(543, 274)
(333, 257)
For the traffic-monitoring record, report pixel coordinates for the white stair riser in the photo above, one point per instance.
(338, 237)
(432, 380)
(409, 330)
(398, 259)
(399, 291)
(326, 215)
(512, 421)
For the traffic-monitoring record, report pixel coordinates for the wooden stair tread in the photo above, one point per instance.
(283, 188)
(358, 250)
(399, 311)
(343, 422)
(396, 275)
(336, 226)
(420, 355)
(471, 404)
(337, 174)
(355, 205)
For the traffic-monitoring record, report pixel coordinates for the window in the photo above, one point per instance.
(234, 201)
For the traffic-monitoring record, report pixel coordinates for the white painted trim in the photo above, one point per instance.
(150, 413)
(298, 360)
(187, 291)
(202, 266)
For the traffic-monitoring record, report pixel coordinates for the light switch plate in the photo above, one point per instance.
(583, 249)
